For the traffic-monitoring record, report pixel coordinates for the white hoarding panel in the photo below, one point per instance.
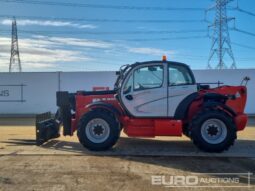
(73, 81)
(27, 93)
(32, 93)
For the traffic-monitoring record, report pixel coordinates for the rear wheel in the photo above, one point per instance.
(98, 130)
(213, 131)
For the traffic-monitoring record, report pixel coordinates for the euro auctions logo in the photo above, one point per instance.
(203, 180)
(168, 181)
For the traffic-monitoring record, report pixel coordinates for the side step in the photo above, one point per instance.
(46, 128)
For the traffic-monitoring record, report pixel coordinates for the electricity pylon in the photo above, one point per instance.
(15, 65)
(221, 44)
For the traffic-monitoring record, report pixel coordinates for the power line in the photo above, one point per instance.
(135, 39)
(118, 7)
(244, 32)
(106, 20)
(243, 46)
(246, 12)
(109, 32)
(237, 8)
(166, 39)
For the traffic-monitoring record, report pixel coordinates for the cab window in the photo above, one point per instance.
(148, 77)
(179, 75)
(128, 85)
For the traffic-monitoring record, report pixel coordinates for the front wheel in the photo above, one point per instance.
(213, 131)
(98, 130)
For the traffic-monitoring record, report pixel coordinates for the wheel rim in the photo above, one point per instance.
(214, 131)
(97, 130)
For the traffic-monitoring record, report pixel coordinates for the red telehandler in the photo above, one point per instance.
(155, 98)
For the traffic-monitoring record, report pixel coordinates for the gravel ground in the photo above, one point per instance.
(62, 164)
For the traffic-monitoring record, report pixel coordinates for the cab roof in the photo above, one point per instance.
(159, 62)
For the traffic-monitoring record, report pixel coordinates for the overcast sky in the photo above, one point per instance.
(77, 45)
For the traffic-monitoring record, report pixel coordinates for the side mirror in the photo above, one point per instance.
(245, 80)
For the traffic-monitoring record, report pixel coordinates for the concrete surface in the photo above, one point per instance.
(63, 164)
(17, 136)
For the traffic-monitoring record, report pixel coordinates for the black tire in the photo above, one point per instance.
(113, 135)
(186, 130)
(196, 133)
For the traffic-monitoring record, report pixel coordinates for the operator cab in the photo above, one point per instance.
(155, 88)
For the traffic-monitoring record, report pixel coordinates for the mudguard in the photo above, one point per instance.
(103, 105)
(214, 104)
(182, 110)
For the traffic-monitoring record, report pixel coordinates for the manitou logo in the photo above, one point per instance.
(102, 99)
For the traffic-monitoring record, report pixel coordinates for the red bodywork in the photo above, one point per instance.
(151, 127)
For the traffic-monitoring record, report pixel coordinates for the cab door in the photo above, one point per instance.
(144, 93)
(181, 83)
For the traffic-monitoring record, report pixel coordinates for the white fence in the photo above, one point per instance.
(32, 93)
